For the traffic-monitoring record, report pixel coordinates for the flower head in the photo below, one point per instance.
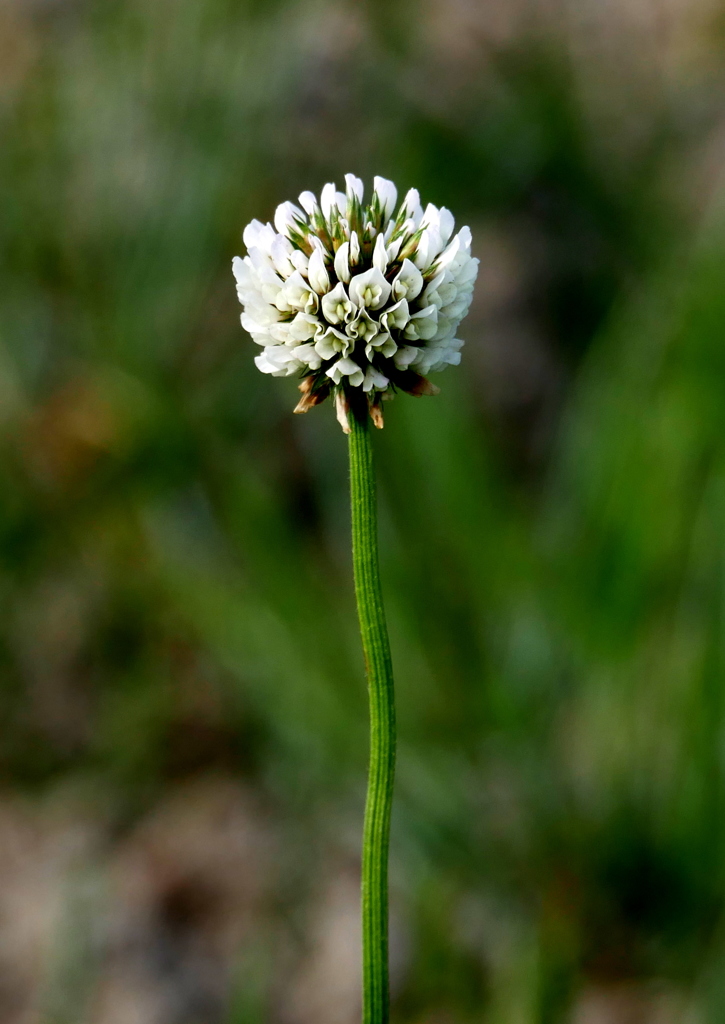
(356, 298)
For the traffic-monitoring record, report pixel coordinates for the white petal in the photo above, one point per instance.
(304, 326)
(363, 326)
(342, 265)
(253, 326)
(261, 313)
(328, 199)
(464, 236)
(251, 232)
(394, 247)
(405, 356)
(444, 331)
(286, 217)
(258, 234)
(317, 243)
(408, 283)
(387, 194)
(369, 289)
(354, 249)
(260, 339)
(380, 256)
(374, 379)
(336, 305)
(428, 248)
(457, 310)
(382, 343)
(308, 355)
(434, 284)
(422, 324)
(430, 217)
(280, 252)
(346, 367)
(446, 223)
(308, 202)
(441, 220)
(429, 313)
(467, 273)
(354, 186)
(448, 293)
(240, 270)
(263, 364)
(298, 294)
(448, 255)
(299, 261)
(277, 360)
(412, 207)
(317, 273)
(333, 342)
(281, 332)
(396, 316)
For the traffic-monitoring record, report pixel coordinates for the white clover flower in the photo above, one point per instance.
(356, 298)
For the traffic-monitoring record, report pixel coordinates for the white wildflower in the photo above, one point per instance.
(297, 294)
(396, 316)
(304, 326)
(336, 306)
(374, 379)
(333, 343)
(346, 367)
(352, 296)
(308, 355)
(422, 324)
(370, 289)
(408, 282)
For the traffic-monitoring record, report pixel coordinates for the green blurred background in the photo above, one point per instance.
(183, 715)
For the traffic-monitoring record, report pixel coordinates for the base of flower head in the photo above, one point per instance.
(314, 392)
(342, 410)
(316, 388)
(416, 384)
(376, 411)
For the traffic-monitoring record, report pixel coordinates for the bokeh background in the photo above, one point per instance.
(183, 714)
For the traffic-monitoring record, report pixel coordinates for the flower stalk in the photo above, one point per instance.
(381, 772)
(358, 302)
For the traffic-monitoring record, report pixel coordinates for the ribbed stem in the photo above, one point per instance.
(376, 648)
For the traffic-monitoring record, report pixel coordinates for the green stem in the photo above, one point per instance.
(376, 835)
